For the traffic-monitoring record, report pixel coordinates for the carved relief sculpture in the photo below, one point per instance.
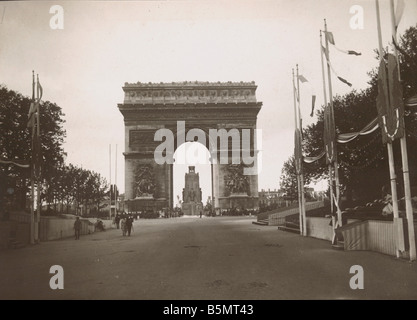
(235, 180)
(144, 184)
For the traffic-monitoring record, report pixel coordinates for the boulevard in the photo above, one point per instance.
(201, 259)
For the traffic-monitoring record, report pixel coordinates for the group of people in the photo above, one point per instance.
(124, 222)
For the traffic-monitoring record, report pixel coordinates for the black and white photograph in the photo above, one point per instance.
(208, 155)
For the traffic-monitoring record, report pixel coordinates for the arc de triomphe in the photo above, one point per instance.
(179, 107)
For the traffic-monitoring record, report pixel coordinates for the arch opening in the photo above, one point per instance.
(192, 166)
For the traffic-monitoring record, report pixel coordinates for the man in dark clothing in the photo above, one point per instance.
(117, 220)
(129, 224)
(77, 228)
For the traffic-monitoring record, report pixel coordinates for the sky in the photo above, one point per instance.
(104, 44)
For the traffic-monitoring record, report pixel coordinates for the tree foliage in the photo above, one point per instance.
(61, 183)
(15, 139)
(288, 183)
(76, 187)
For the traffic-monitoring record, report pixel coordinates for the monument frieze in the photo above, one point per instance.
(185, 92)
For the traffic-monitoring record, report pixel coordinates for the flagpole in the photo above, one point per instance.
(303, 212)
(38, 149)
(295, 154)
(330, 165)
(110, 180)
(389, 145)
(336, 170)
(404, 157)
(32, 175)
(115, 183)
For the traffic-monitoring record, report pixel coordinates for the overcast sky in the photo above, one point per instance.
(105, 44)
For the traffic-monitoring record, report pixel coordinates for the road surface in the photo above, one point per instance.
(209, 258)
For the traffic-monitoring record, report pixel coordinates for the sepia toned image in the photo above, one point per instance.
(208, 151)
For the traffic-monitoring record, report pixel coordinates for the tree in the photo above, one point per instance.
(288, 180)
(15, 139)
(100, 190)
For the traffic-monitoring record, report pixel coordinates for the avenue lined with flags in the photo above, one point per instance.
(390, 120)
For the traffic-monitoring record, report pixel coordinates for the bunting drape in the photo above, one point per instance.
(369, 128)
(313, 159)
(15, 162)
(330, 38)
(331, 67)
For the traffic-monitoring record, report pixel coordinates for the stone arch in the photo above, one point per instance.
(143, 117)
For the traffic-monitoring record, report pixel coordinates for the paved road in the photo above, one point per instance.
(209, 258)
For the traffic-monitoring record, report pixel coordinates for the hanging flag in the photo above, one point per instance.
(389, 101)
(329, 135)
(399, 13)
(32, 108)
(329, 36)
(313, 102)
(36, 143)
(40, 90)
(31, 115)
(302, 78)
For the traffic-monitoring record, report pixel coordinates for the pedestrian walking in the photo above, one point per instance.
(117, 220)
(129, 224)
(77, 228)
(123, 225)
